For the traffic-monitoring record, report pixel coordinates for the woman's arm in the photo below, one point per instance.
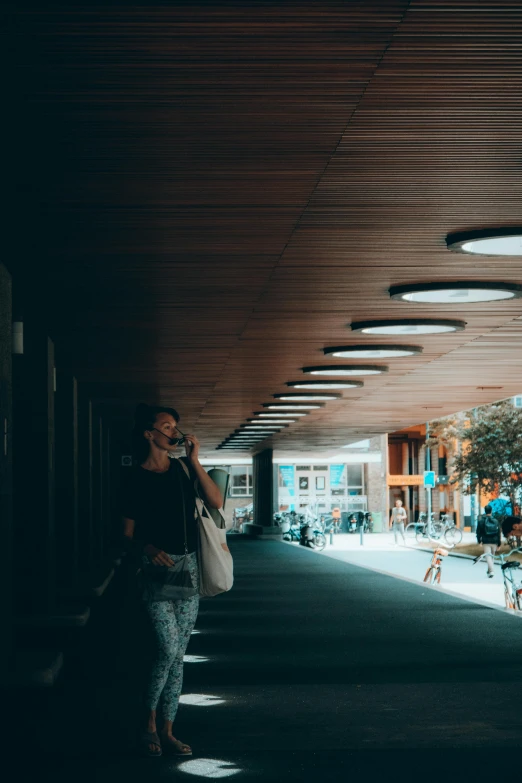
(155, 555)
(210, 490)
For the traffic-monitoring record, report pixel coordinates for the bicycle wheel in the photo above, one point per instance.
(410, 530)
(436, 529)
(508, 598)
(453, 535)
(422, 535)
(429, 576)
(319, 541)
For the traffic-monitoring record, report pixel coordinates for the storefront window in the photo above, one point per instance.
(240, 481)
(355, 476)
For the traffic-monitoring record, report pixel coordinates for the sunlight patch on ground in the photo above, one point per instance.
(201, 700)
(209, 768)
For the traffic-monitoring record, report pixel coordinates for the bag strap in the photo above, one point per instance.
(212, 513)
(184, 508)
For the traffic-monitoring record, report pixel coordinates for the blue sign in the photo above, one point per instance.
(287, 473)
(288, 476)
(336, 475)
(429, 479)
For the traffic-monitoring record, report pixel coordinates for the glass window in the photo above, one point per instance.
(355, 475)
(303, 482)
(240, 480)
(320, 482)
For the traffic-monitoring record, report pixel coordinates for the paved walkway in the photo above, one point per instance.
(310, 669)
(459, 575)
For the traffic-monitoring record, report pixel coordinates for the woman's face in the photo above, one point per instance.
(516, 530)
(165, 428)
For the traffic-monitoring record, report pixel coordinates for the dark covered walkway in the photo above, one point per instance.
(313, 669)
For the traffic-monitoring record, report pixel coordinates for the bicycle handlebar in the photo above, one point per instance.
(500, 557)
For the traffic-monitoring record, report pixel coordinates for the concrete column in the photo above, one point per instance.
(6, 468)
(34, 465)
(67, 516)
(264, 489)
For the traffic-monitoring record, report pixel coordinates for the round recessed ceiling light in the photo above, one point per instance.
(366, 352)
(295, 407)
(456, 293)
(324, 384)
(298, 397)
(346, 370)
(488, 242)
(408, 326)
(296, 414)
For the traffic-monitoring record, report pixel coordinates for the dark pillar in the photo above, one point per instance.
(97, 489)
(263, 474)
(85, 454)
(6, 464)
(67, 545)
(34, 465)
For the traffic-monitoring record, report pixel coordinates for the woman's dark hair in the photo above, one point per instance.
(507, 525)
(144, 419)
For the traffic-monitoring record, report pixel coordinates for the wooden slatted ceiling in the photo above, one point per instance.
(236, 183)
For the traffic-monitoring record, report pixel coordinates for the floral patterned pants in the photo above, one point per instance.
(173, 622)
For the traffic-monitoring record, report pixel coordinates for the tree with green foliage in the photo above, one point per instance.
(491, 449)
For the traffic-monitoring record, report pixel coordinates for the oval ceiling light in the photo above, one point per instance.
(488, 242)
(258, 429)
(272, 421)
(287, 396)
(346, 370)
(325, 384)
(263, 415)
(295, 407)
(457, 293)
(408, 326)
(365, 352)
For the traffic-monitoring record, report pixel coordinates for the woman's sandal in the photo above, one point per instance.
(150, 738)
(177, 748)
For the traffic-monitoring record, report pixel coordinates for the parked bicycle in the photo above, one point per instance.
(424, 531)
(312, 536)
(451, 533)
(512, 576)
(240, 516)
(444, 529)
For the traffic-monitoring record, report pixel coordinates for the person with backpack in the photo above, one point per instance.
(488, 534)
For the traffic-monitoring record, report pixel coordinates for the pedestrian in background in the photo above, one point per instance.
(488, 534)
(398, 520)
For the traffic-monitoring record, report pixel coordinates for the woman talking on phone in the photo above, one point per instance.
(158, 509)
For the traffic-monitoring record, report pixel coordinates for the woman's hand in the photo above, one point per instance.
(157, 557)
(192, 447)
